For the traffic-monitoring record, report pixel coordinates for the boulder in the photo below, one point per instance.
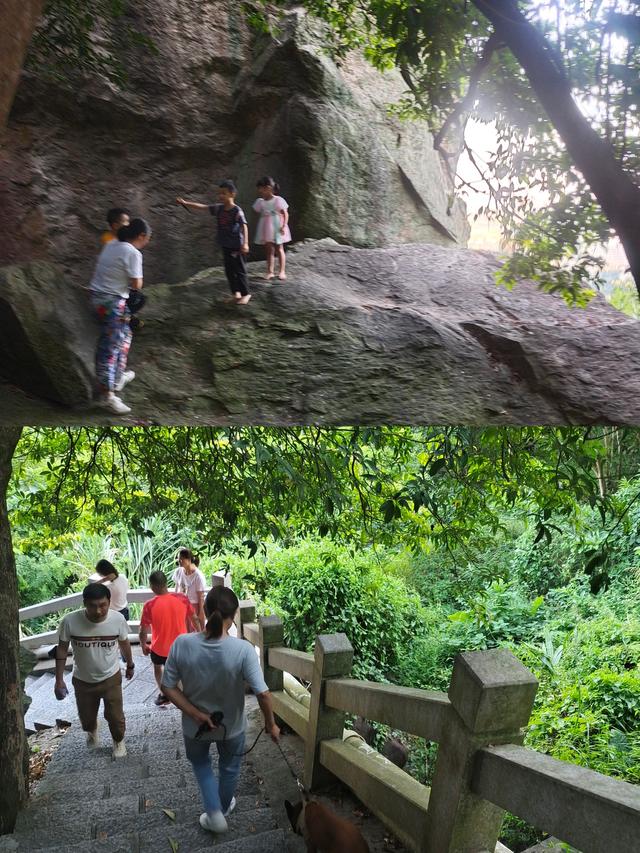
(217, 101)
(47, 334)
(410, 334)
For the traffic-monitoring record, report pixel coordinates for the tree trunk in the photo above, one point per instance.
(616, 193)
(13, 774)
(19, 19)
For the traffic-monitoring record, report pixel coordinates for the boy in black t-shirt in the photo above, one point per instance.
(233, 237)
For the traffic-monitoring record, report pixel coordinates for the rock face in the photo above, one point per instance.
(217, 101)
(411, 334)
(47, 336)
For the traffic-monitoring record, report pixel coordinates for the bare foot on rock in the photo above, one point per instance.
(244, 299)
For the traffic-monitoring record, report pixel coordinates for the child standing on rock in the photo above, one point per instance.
(273, 225)
(233, 237)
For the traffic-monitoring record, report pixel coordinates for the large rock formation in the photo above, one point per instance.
(217, 101)
(410, 334)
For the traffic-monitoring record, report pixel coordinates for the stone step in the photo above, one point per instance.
(116, 844)
(38, 828)
(265, 842)
(156, 830)
(48, 666)
(37, 821)
(45, 710)
(272, 841)
(40, 683)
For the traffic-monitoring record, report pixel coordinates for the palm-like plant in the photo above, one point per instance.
(152, 549)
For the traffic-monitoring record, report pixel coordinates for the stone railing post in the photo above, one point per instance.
(333, 656)
(271, 634)
(246, 613)
(491, 695)
(220, 578)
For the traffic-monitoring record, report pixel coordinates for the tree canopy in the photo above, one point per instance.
(560, 80)
(438, 486)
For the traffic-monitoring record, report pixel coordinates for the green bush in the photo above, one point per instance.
(318, 587)
(42, 576)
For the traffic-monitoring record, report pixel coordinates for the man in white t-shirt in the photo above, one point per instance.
(96, 634)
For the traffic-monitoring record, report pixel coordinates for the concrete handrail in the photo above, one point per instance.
(481, 767)
(419, 712)
(74, 599)
(251, 632)
(296, 663)
(584, 808)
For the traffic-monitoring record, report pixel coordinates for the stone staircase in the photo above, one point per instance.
(148, 801)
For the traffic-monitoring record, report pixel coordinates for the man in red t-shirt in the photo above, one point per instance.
(168, 615)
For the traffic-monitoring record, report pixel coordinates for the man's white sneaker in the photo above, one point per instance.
(113, 404)
(92, 738)
(126, 377)
(232, 806)
(213, 822)
(119, 749)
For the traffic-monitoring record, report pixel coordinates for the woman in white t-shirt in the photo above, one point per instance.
(118, 270)
(118, 586)
(189, 580)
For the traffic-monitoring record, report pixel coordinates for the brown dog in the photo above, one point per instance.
(323, 830)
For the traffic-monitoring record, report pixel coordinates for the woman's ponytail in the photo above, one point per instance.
(214, 626)
(221, 603)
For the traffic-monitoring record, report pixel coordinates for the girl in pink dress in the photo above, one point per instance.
(273, 225)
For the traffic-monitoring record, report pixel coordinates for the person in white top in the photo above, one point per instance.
(117, 584)
(189, 580)
(95, 633)
(118, 270)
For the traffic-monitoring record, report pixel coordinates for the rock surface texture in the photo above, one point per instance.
(217, 101)
(411, 334)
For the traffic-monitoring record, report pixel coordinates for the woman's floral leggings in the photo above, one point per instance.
(114, 340)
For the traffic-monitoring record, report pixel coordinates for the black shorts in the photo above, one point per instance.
(157, 659)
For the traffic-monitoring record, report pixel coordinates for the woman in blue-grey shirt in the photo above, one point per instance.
(213, 668)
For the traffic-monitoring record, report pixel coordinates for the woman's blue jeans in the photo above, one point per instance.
(216, 792)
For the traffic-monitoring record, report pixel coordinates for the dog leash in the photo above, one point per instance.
(301, 787)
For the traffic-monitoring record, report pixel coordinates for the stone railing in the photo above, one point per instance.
(481, 768)
(74, 599)
(54, 605)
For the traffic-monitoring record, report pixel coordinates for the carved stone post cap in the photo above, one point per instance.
(333, 654)
(492, 691)
(247, 610)
(271, 629)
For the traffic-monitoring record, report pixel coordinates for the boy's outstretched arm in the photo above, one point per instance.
(193, 205)
(245, 239)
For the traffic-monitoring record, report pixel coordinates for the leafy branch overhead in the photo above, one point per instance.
(559, 78)
(415, 486)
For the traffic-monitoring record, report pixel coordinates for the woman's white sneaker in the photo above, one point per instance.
(213, 822)
(232, 806)
(114, 404)
(126, 377)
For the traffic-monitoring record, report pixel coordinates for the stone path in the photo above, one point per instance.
(87, 801)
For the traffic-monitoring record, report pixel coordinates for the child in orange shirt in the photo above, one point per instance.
(116, 218)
